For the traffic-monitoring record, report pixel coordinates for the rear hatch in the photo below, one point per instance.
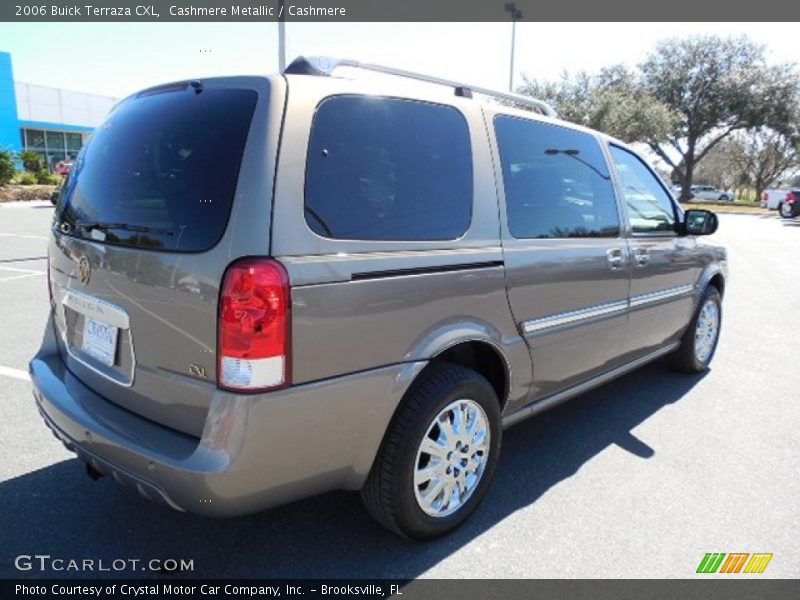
(155, 208)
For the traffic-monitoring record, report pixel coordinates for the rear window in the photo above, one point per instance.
(388, 169)
(161, 171)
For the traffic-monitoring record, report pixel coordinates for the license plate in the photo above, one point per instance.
(99, 340)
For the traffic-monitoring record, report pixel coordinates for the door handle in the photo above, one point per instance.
(616, 258)
(641, 257)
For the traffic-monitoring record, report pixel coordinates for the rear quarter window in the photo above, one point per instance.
(388, 169)
(161, 171)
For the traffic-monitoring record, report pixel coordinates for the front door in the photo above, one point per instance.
(665, 267)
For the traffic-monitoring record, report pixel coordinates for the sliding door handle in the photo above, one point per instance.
(641, 257)
(616, 258)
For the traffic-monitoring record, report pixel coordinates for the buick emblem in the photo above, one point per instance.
(84, 270)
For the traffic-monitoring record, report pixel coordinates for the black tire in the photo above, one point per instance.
(787, 211)
(685, 357)
(389, 493)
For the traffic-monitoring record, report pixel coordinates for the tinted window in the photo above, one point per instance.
(556, 181)
(388, 169)
(650, 207)
(162, 169)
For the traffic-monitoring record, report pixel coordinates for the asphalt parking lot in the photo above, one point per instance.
(639, 478)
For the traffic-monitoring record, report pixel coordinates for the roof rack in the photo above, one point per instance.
(324, 66)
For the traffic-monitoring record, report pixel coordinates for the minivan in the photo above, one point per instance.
(267, 288)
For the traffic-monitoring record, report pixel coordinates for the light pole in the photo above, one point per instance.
(281, 38)
(516, 15)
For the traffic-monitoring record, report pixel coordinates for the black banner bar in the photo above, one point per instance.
(395, 10)
(458, 589)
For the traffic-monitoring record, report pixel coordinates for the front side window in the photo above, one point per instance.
(556, 181)
(388, 169)
(650, 208)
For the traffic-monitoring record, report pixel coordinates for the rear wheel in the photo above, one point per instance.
(438, 455)
(787, 210)
(699, 342)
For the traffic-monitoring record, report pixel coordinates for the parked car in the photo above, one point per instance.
(789, 207)
(62, 167)
(709, 192)
(782, 200)
(399, 273)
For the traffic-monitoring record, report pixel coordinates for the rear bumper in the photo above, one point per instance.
(256, 451)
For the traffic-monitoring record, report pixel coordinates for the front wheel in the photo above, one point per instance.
(438, 455)
(699, 342)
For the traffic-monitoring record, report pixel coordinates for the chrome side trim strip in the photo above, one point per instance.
(550, 401)
(602, 310)
(666, 294)
(574, 316)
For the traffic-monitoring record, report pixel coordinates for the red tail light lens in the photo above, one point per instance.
(764, 196)
(254, 320)
(790, 197)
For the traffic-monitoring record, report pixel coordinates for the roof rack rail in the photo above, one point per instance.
(324, 66)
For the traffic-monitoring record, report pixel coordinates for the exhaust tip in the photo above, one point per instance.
(93, 473)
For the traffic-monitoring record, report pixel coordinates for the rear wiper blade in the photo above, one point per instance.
(89, 225)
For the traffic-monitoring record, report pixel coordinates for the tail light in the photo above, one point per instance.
(254, 320)
(790, 197)
(764, 196)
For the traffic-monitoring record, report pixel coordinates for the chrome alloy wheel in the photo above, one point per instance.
(451, 458)
(706, 331)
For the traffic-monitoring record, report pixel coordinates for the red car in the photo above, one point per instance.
(62, 167)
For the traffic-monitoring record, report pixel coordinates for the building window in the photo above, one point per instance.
(53, 146)
(74, 143)
(34, 139)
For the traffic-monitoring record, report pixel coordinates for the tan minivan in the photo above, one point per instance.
(266, 288)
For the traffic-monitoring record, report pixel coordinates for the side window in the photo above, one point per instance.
(388, 169)
(556, 181)
(650, 208)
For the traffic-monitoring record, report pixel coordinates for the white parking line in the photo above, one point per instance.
(15, 373)
(18, 270)
(13, 277)
(25, 236)
(25, 273)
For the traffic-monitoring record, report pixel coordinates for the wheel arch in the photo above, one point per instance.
(714, 276)
(482, 356)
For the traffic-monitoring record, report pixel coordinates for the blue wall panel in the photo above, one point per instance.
(9, 122)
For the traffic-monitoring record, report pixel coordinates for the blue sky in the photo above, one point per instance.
(115, 59)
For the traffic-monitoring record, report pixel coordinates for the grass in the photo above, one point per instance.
(737, 206)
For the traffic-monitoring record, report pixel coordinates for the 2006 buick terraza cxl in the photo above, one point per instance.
(266, 288)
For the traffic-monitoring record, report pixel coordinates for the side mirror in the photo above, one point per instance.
(55, 197)
(699, 222)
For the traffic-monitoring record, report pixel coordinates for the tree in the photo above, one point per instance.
(31, 160)
(767, 156)
(7, 169)
(722, 166)
(715, 86)
(611, 101)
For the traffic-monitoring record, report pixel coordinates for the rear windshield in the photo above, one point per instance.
(161, 172)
